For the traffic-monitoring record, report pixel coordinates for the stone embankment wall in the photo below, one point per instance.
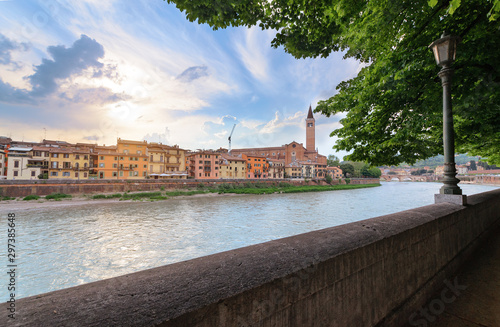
(480, 179)
(375, 272)
(37, 187)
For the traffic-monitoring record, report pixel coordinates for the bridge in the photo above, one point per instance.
(404, 178)
(382, 271)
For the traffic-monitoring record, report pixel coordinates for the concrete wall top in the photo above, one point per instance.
(160, 295)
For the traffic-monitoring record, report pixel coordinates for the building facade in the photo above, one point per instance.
(231, 167)
(203, 165)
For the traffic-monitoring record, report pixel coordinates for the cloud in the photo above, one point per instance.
(254, 52)
(82, 55)
(95, 96)
(6, 47)
(91, 138)
(193, 73)
(158, 137)
(10, 94)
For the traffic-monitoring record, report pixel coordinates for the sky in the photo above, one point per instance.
(95, 70)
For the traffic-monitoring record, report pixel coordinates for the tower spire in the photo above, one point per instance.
(310, 114)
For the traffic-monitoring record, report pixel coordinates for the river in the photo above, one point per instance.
(62, 247)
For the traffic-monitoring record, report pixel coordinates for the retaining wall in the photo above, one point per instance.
(24, 188)
(375, 272)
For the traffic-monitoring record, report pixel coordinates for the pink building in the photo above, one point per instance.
(203, 165)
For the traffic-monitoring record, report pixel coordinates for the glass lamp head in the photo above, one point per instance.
(445, 49)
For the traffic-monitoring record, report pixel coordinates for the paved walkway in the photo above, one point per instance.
(479, 303)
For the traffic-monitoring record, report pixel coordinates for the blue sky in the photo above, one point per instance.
(95, 70)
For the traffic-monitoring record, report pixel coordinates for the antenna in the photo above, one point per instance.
(229, 139)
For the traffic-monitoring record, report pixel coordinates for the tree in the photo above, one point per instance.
(347, 169)
(473, 165)
(393, 106)
(333, 161)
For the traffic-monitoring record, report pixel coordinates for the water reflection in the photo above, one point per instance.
(59, 248)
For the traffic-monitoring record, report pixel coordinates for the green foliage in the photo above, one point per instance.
(393, 107)
(347, 169)
(31, 197)
(43, 176)
(110, 196)
(333, 161)
(142, 195)
(6, 198)
(329, 179)
(372, 172)
(57, 196)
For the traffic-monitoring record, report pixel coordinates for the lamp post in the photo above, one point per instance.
(444, 51)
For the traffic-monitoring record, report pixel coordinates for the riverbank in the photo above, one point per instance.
(20, 188)
(64, 200)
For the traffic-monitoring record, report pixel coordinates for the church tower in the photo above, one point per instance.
(310, 132)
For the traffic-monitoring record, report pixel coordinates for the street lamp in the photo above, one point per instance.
(444, 51)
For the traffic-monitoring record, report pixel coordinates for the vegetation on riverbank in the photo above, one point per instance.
(246, 188)
(243, 188)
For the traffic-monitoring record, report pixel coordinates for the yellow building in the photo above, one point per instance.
(293, 171)
(232, 167)
(166, 161)
(276, 168)
(61, 163)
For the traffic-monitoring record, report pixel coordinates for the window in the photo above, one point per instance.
(55, 155)
(125, 151)
(116, 158)
(151, 168)
(139, 152)
(130, 173)
(145, 166)
(101, 158)
(16, 164)
(77, 156)
(115, 174)
(136, 173)
(115, 166)
(200, 174)
(121, 158)
(66, 155)
(55, 164)
(201, 161)
(144, 173)
(85, 175)
(85, 157)
(66, 174)
(151, 158)
(15, 172)
(37, 154)
(121, 173)
(76, 175)
(101, 165)
(309, 124)
(53, 173)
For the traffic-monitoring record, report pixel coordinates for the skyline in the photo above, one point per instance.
(94, 71)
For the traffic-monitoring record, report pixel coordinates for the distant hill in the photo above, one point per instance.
(438, 160)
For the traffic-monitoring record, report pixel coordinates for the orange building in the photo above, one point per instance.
(257, 166)
(203, 165)
(126, 160)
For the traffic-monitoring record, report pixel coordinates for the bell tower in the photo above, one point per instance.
(310, 132)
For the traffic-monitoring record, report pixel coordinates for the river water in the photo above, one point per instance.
(62, 247)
